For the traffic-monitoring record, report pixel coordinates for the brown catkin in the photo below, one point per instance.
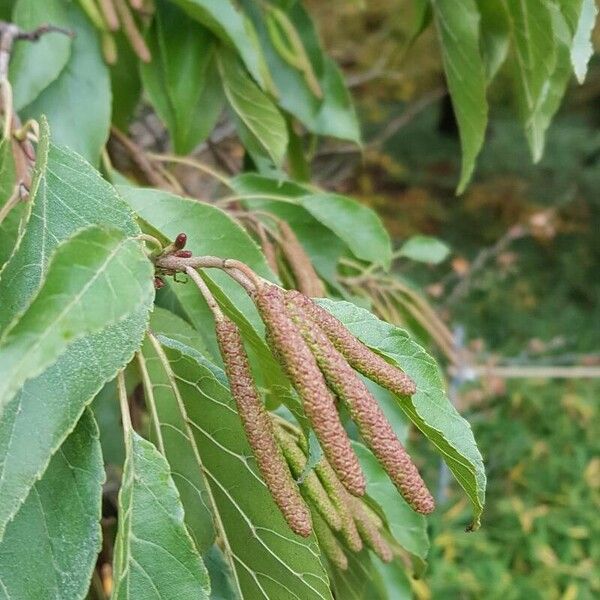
(341, 500)
(305, 276)
(369, 532)
(312, 486)
(329, 544)
(302, 370)
(375, 429)
(360, 357)
(259, 430)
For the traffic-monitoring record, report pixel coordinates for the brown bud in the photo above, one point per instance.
(302, 370)
(367, 414)
(360, 357)
(311, 486)
(369, 532)
(329, 544)
(180, 241)
(183, 254)
(259, 430)
(305, 276)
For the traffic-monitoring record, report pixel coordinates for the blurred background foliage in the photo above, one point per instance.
(534, 299)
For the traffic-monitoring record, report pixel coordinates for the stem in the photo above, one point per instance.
(10, 203)
(150, 400)
(206, 293)
(125, 416)
(190, 162)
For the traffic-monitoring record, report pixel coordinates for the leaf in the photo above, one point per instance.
(266, 558)
(260, 117)
(94, 279)
(67, 194)
(334, 114)
(424, 248)
(77, 104)
(181, 81)
(230, 25)
(125, 84)
(458, 29)
(154, 554)
(361, 580)
(177, 445)
(49, 550)
(582, 49)
(357, 225)
(221, 585)
(495, 35)
(35, 65)
(9, 227)
(408, 528)
(535, 61)
(429, 409)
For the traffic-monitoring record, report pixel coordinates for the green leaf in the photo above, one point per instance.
(178, 446)
(181, 81)
(267, 559)
(67, 194)
(424, 248)
(221, 584)
(9, 228)
(429, 409)
(35, 65)
(260, 117)
(230, 25)
(534, 63)
(334, 114)
(582, 49)
(78, 102)
(408, 528)
(49, 549)
(361, 580)
(458, 29)
(94, 279)
(154, 554)
(125, 83)
(495, 35)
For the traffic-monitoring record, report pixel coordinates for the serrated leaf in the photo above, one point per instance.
(582, 49)
(267, 559)
(67, 194)
(154, 554)
(408, 527)
(35, 65)
(181, 81)
(94, 279)
(260, 117)
(424, 248)
(429, 409)
(78, 102)
(49, 549)
(458, 29)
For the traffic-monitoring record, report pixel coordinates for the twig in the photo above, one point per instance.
(124, 403)
(190, 162)
(537, 372)
(206, 293)
(131, 31)
(12, 201)
(150, 400)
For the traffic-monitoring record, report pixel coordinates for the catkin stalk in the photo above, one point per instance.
(302, 370)
(372, 423)
(259, 430)
(360, 357)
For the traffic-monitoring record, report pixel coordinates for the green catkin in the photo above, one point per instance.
(369, 532)
(259, 430)
(312, 486)
(328, 543)
(302, 370)
(366, 413)
(340, 498)
(360, 357)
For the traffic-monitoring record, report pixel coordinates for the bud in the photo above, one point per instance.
(302, 370)
(369, 532)
(305, 276)
(329, 544)
(183, 254)
(360, 357)
(367, 414)
(312, 486)
(180, 241)
(259, 430)
(158, 283)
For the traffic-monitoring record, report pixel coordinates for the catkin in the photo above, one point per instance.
(302, 370)
(374, 427)
(305, 276)
(360, 356)
(369, 532)
(329, 544)
(259, 430)
(312, 486)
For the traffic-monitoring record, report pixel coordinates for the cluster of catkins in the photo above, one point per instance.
(321, 358)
